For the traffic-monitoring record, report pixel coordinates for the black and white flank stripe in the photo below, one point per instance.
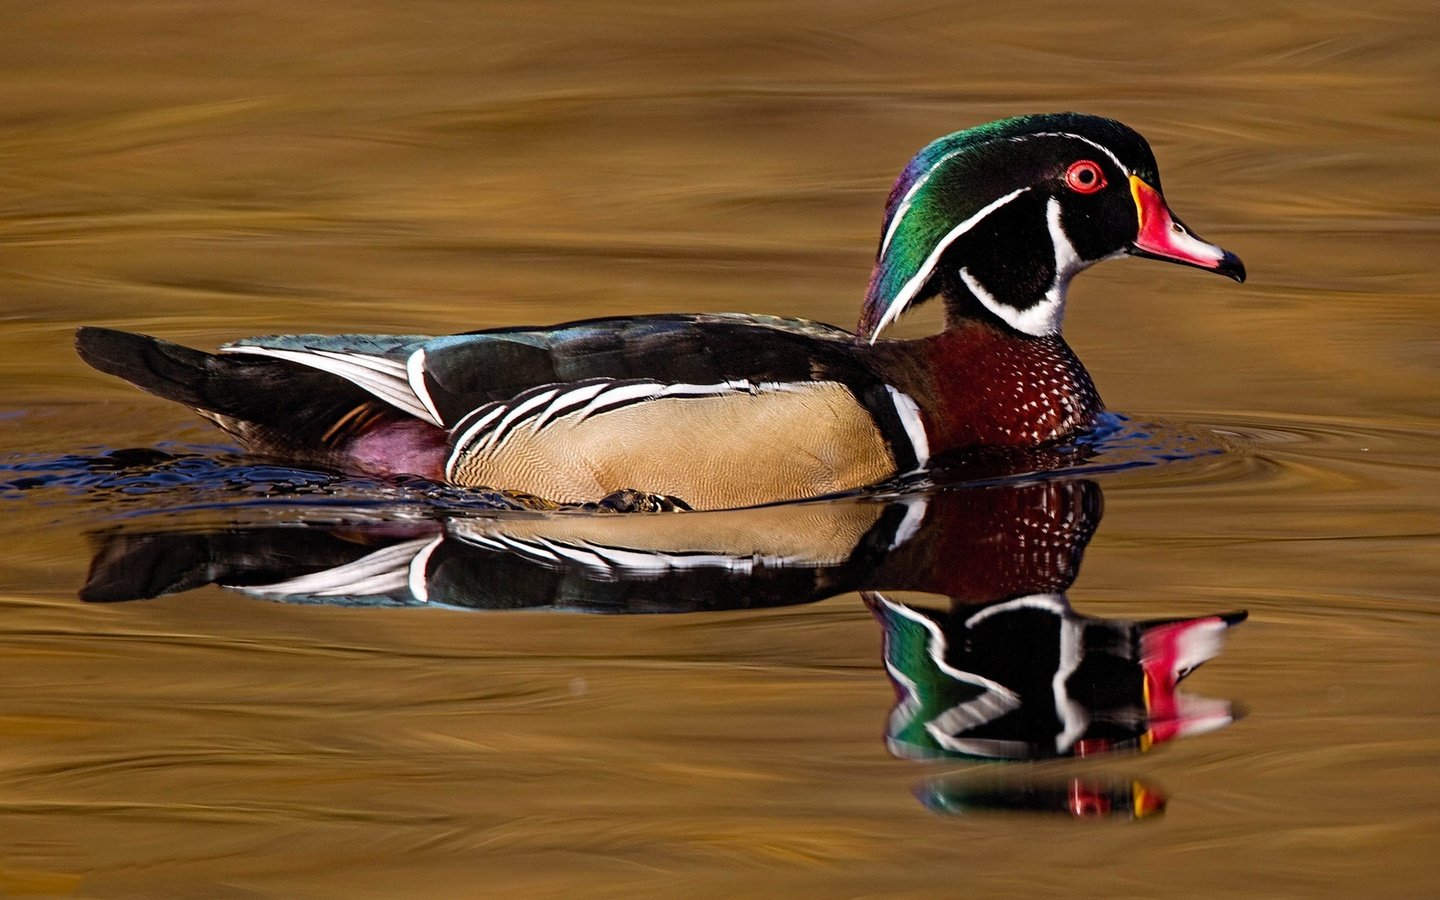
(485, 430)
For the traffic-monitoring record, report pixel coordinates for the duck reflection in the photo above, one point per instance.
(972, 544)
(1006, 671)
(1080, 798)
(1029, 678)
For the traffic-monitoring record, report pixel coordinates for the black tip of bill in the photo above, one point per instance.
(1231, 265)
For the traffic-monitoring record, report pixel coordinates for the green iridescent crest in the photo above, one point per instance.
(932, 690)
(955, 182)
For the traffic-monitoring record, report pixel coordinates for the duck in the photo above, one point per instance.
(727, 410)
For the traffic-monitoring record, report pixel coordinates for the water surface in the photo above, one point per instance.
(204, 173)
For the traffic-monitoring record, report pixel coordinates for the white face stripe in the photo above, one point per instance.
(1055, 604)
(979, 291)
(935, 166)
(936, 650)
(1048, 315)
(1072, 714)
(971, 714)
(1067, 261)
(912, 287)
(904, 206)
(1101, 147)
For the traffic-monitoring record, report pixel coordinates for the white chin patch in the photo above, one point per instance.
(1039, 319)
(1048, 315)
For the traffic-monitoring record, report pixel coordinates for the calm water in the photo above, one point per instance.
(204, 172)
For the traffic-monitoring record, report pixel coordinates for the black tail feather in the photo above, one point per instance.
(269, 403)
(164, 369)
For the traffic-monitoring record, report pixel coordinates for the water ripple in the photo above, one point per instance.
(1219, 454)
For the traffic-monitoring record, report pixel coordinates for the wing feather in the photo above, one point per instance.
(388, 379)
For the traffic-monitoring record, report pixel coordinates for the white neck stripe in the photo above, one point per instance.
(1039, 320)
(1067, 259)
(936, 650)
(912, 287)
(1055, 604)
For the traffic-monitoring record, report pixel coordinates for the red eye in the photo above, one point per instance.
(1084, 177)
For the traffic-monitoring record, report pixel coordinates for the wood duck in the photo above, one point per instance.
(1029, 678)
(733, 410)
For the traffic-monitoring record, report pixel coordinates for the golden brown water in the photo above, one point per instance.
(206, 171)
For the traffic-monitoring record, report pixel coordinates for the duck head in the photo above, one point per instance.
(997, 219)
